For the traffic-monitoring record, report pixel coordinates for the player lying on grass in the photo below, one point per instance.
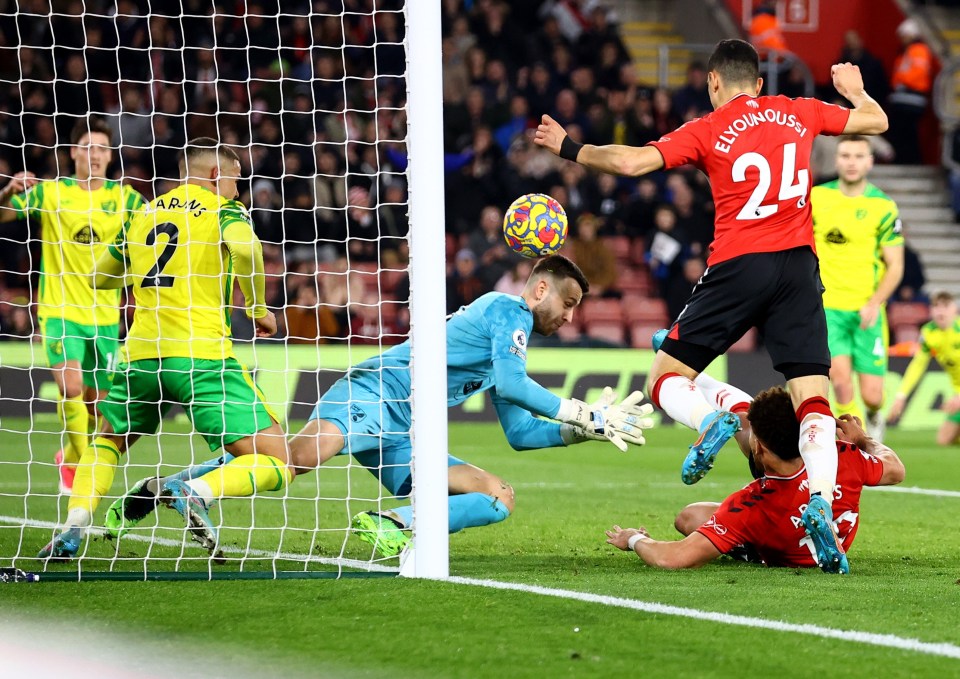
(181, 253)
(763, 520)
(367, 412)
(78, 216)
(940, 338)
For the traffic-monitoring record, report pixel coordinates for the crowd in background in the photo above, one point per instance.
(313, 100)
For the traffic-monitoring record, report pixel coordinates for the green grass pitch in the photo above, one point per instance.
(905, 579)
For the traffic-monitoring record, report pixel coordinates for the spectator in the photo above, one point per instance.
(765, 32)
(514, 281)
(307, 322)
(464, 285)
(667, 248)
(490, 249)
(594, 257)
(692, 100)
(875, 79)
(911, 285)
(679, 287)
(911, 84)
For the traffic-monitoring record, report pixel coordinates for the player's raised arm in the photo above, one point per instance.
(11, 207)
(866, 117)
(630, 161)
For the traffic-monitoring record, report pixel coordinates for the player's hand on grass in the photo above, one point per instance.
(847, 79)
(549, 134)
(266, 325)
(619, 537)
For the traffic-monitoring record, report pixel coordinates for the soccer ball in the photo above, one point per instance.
(535, 225)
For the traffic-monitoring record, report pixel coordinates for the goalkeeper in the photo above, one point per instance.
(181, 253)
(78, 216)
(367, 412)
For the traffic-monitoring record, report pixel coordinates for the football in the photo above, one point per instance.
(535, 225)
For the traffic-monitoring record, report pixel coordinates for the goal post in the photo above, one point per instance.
(301, 89)
(430, 558)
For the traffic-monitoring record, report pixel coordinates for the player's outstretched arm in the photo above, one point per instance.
(866, 117)
(690, 552)
(19, 183)
(629, 161)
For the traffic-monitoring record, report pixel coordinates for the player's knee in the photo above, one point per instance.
(693, 516)
(946, 438)
(504, 492)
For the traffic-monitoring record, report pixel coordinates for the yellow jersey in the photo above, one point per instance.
(181, 269)
(941, 344)
(76, 226)
(850, 234)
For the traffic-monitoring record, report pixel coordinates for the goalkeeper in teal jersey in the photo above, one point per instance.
(367, 412)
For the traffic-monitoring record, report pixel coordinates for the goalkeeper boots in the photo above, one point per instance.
(657, 340)
(66, 471)
(817, 519)
(64, 545)
(128, 511)
(716, 430)
(179, 496)
(385, 534)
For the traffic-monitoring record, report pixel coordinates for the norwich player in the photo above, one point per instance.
(860, 245)
(79, 216)
(939, 338)
(181, 253)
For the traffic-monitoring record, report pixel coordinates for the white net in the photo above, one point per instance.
(312, 97)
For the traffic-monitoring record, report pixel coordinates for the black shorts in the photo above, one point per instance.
(779, 292)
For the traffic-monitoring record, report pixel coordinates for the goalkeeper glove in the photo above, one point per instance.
(605, 420)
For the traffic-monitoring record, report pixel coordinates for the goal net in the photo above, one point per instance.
(314, 98)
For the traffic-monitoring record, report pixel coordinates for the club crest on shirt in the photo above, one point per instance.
(356, 413)
(86, 235)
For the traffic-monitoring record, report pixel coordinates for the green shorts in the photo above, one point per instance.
(867, 349)
(955, 417)
(220, 398)
(96, 347)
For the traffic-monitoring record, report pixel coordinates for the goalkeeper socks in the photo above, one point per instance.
(681, 400)
(724, 396)
(74, 415)
(818, 445)
(242, 477)
(852, 408)
(94, 476)
(466, 511)
(198, 470)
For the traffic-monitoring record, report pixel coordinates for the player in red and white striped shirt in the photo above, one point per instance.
(763, 519)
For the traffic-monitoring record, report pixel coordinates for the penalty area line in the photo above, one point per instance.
(870, 638)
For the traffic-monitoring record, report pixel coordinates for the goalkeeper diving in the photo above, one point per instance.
(181, 253)
(367, 412)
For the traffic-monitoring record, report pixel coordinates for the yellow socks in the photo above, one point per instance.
(93, 480)
(242, 477)
(852, 408)
(74, 416)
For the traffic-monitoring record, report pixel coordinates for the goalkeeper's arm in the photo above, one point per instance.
(247, 255)
(523, 430)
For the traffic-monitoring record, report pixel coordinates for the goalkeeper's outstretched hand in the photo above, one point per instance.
(607, 420)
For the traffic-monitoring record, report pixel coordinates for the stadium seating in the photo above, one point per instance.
(907, 313)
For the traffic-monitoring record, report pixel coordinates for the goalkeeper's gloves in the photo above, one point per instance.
(605, 420)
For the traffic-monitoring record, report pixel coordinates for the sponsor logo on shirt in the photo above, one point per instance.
(471, 387)
(86, 235)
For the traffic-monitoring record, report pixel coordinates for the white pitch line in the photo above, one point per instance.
(870, 638)
(914, 490)
(167, 542)
(886, 640)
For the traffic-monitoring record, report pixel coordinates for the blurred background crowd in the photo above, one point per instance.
(312, 94)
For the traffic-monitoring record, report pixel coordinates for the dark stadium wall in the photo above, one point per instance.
(820, 41)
